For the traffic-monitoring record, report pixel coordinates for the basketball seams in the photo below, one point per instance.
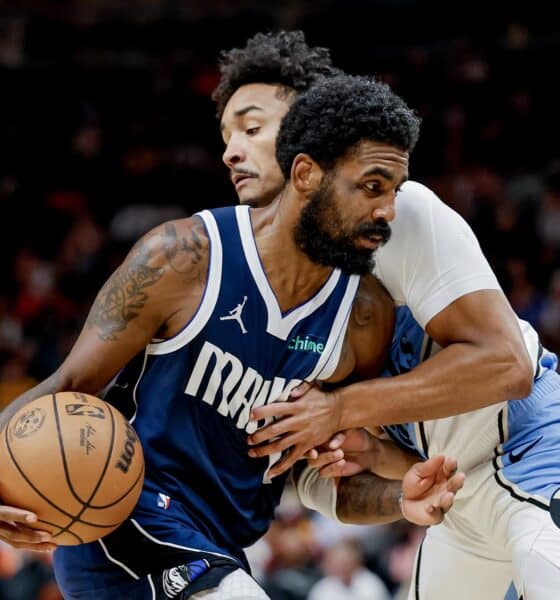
(76, 525)
(24, 476)
(125, 494)
(85, 504)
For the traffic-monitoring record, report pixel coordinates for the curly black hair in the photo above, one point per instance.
(283, 58)
(336, 113)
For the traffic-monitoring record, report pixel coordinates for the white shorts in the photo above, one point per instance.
(235, 586)
(487, 540)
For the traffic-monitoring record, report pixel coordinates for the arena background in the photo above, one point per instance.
(107, 128)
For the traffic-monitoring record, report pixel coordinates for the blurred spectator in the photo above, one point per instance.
(26, 575)
(401, 561)
(346, 577)
(549, 318)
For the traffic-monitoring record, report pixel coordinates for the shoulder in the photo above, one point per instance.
(418, 208)
(174, 247)
(372, 301)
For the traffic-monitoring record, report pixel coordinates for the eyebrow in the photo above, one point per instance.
(242, 112)
(385, 173)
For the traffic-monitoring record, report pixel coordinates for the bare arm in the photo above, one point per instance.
(483, 361)
(423, 496)
(153, 293)
(367, 498)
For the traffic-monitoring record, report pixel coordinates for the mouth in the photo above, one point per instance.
(372, 242)
(240, 179)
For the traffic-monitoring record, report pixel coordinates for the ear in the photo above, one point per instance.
(306, 174)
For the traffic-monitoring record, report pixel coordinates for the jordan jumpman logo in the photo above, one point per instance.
(235, 313)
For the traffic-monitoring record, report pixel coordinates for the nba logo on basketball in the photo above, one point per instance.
(163, 501)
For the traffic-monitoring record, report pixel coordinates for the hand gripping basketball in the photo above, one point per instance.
(75, 462)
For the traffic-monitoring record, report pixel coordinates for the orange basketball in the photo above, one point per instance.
(75, 461)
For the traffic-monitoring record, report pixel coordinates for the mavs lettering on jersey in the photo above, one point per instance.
(189, 397)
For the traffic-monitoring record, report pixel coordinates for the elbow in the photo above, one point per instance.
(520, 373)
(523, 379)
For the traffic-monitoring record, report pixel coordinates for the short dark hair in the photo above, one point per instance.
(282, 58)
(338, 112)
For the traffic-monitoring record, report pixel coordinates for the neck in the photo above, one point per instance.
(293, 276)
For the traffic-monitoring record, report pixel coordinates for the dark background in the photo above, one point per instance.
(107, 128)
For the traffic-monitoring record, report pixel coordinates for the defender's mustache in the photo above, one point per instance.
(379, 228)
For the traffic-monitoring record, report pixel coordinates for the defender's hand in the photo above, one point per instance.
(301, 425)
(429, 488)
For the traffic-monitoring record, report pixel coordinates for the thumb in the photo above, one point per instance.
(337, 441)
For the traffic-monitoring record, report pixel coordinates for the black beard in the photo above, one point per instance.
(335, 251)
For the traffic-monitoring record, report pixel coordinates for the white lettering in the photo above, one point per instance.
(252, 390)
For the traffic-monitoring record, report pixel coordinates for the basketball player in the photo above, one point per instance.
(212, 315)
(458, 348)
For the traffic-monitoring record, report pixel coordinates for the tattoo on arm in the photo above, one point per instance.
(367, 498)
(124, 294)
(174, 246)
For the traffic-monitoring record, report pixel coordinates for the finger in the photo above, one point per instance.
(429, 467)
(300, 390)
(287, 462)
(326, 458)
(275, 409)
(333, 470)
(445, 501)
(41, 547)
(311, 455)
(17, 515)
(449, 466)
(11, 534)
(343, 468)
(337, 441)
(276, 447)
(272, 430)
(456, 482)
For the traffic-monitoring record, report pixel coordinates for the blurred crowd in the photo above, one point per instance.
(107, 129)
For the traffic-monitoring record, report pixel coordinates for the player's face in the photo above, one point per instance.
(348, 217)
(249, 127)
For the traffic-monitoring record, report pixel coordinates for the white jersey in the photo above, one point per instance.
(432, 259)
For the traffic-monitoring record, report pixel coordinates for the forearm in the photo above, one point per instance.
(366, 499)
(51, 385)
(388, 460)
(460, 378)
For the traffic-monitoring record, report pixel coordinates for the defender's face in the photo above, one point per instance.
(348, 217)
(249, 126)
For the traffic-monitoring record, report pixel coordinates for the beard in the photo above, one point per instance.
(313, 234)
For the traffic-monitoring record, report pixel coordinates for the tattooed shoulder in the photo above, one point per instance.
(174, 247)
(186, 246)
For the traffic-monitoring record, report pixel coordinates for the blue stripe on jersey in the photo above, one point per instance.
(528, 458)
(192, 395)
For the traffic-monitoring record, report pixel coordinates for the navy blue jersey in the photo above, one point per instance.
(189, 397)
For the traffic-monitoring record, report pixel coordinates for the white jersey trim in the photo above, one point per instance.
(118, 562)
(330, 357)
(277, 325)
(131, 420)
(209, 298)
(179, 546)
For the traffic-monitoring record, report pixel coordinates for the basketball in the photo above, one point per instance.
(74, 461)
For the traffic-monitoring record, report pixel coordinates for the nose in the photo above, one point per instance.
(234, 152)
(385, 209)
